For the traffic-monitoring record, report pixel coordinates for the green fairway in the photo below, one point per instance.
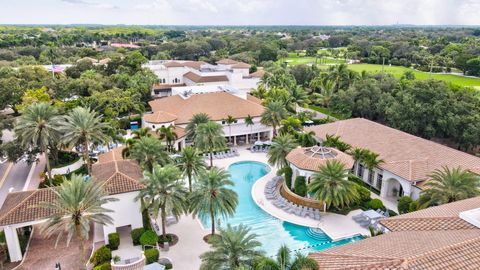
(397, 72)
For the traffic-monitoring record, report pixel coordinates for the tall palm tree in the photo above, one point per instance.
(358, 154)
(306, 139)
(326, 90)
(335, 141)
(209, 137)
(191, 128)
(191, 163)
(298, 96)
(229, 121)
(249, 123)
(451, 184)
(281, 146)
(212, 197)
(83, 126)
(331, 185)
(284, 261)
(148, 151)
(234, 247)
(163, 193)
(168, 134)
(274, 113)
(38, 127)
(77, 206)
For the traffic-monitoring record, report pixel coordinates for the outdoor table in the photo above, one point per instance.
(372, 214)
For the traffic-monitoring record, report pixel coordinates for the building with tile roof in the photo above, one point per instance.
(218, 106)
(175, 73)
(408, 159)
(443, 237)
(119, 177)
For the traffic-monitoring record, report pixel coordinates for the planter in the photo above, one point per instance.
(69, 168)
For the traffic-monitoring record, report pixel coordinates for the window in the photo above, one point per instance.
(360, 171)
(223, 122)
(371, 173)
(379, 181)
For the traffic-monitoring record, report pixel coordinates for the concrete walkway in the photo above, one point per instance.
(185, 255)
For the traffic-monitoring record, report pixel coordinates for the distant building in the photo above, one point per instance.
(181, 73)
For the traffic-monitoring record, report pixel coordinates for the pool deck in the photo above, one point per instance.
(336, 226)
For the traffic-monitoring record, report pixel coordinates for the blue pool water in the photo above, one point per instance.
(271, 232)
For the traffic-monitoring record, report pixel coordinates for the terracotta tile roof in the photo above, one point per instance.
(159, 117)
(204, 79)
(178, 130)
(311, 159)
(406, 250)
(217, 105)
(116, 174)
(433, 238)
(22, 206)
(254, 99)
(172, 64)
(258, 74)
(194, 64)
(405, 155)
(227, 62)
(241, 65)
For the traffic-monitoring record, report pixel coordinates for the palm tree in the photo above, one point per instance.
(163, 193)
(299, 97)
(212, 197)
(191, 128)
(450, 185)
(371, 161)
(326, 89)
(83, 127)
(281, 146)
(306, 139)
(141, 132)
(331, 185)
(229, 121)
(284, 261)
(274, 113)
(191, 163)
(209, 137)
(77, 206)
(168, 134)
(249, 122)
(234, 247)
(148, 151)
(335, 141)
(290, 125)
(37, 127)
(358, 154)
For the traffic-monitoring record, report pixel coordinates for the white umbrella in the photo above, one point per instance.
(258, 143)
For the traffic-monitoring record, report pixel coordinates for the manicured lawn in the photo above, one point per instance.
(301, 59)
(398, 72)
(326, 112)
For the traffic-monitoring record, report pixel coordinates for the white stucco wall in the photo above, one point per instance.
(126, 211)
(240, 128)
(155, 126)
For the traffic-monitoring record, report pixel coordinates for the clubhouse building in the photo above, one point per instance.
(407, 160)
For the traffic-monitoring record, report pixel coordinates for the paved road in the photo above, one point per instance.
(15, 179)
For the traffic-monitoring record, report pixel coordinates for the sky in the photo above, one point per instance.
(241, 12)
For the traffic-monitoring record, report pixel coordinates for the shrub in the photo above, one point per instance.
(300, 186)
(149, 237)
(136, 234)
(151, 255)
(168, 266)
(404, 204)
(103, 266)
(288, 176)
(101, 255)
(113, 240)
(363, 193)
(376, 204)
(392, 213)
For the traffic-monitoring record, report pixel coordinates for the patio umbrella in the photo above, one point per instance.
(258, 143)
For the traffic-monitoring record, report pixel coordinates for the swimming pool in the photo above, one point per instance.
(271, 232)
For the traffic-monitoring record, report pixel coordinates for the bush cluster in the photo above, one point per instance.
(101, 255)
(376, 204)
(103, 266)
(404, 204)
(300, 186)
(113, 240)
(149, 237)
(136, 234)
(288, 176)
(151, 255)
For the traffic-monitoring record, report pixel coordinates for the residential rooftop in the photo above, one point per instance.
(312, 158)
(218, 105)
(415, 244)
(408, 156)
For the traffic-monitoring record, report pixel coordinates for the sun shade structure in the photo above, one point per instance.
(312, 158)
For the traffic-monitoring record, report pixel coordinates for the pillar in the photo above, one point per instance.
(13, 244)
(258, 136)
(234, 140)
